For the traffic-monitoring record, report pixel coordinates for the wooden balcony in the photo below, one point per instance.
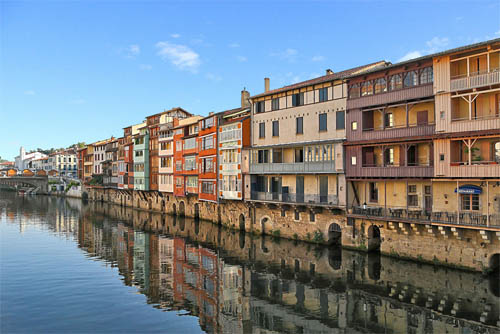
(424, 171)
(476, 80)
(391, 97)
(290, 198)
(474, 170)
(394, 132)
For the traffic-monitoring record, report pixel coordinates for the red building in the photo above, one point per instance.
(186, 157)
(207, 159)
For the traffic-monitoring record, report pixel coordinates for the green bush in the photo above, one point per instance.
(318, 237)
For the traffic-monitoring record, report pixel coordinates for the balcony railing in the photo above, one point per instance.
(474, 80)
(291, 198)
(419, 215)
(304, 167)
(474, 118)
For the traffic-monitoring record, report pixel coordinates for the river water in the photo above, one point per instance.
(67, 266)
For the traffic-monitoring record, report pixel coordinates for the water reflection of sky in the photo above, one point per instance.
(68, 267)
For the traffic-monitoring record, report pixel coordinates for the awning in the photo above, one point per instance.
(469, 189)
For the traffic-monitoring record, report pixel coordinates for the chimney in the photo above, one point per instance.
(245, 97)
(329, 71)
(266, 84)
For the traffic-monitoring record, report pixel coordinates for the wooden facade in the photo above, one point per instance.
(207, 158)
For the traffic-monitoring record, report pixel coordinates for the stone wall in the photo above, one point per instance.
(459, 247)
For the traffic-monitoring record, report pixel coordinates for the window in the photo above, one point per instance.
(323, 94)
(259, 107)
(426, 76)
(411, 79)
(190, 163)
(366, 88)
(354, 126)
(354, 91)
(263, 157)
(353, 161)
(389, 120)
(207, 187)
(276, 128)
(207, 142)
(413, 200)
(340, 120)
(178, 145)
(395, 82)
(380, 85)
(179, 181)
(441, 114)
(427, 190)
(277, 155)
(207, 165)
(322, 122)
(275, 104)
(298, 99)
(299, 125)
(192, 182)
(207, 123)
(262, 130)
(178, 166)
(189, 144)
(373, 192)
(470, 202)
(412, 188)
(496, 151)
(297, 216)
(299, 155)
(389, 156)
(441, 157)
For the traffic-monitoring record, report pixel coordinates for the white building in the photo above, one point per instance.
(23, 159)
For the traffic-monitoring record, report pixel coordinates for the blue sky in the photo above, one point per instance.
(82, 70)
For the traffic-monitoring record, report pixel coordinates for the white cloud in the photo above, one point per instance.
(234, 45)
(180, 56)
(29, 92)
(497, 33)
(318, 58)
(288, 54)
(213, 77)
(175, 35)
(434, 45)
(241, 58)
(77, 101)
(410, 55)
(145, 67)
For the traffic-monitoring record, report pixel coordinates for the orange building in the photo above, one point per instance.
(207, 159)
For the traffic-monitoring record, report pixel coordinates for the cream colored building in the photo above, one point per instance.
(297, 133)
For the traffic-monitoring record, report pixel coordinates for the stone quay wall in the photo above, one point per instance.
(462, 247)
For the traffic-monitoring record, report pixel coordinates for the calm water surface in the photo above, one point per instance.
(73, 267)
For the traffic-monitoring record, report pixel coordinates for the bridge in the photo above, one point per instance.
(33, 184)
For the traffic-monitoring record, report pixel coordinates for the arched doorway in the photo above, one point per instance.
(196, 226)
(334, 234)
(163, 205)
(373, 238)
(174, 209)
(196, 211)
(242, 239)
(374, 265)
(219, 215)
(181, 209)
(182, 223)
(263, 222)
(150, 204)
(242, 222)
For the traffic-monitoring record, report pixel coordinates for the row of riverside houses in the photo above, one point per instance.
(414, 141)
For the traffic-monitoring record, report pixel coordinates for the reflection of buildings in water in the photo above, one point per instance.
(244, 292)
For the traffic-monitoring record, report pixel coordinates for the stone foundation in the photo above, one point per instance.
(461, 247)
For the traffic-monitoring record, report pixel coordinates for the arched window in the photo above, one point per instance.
(426, 76)
(366, 88)
(380, 85)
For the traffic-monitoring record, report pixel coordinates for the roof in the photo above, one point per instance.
(324, 78)
(430, 56)
(168, 111)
